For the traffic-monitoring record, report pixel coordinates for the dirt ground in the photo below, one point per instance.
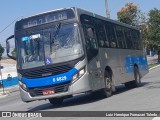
(8, 61)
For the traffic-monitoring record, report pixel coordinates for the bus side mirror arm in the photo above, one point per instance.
(8, 47)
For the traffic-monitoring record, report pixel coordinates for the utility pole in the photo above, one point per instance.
(0, 68)
(1, 76)
(107, 9)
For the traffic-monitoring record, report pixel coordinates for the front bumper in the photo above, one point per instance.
(80, 86)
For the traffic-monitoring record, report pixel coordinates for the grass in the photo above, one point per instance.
(153, 65)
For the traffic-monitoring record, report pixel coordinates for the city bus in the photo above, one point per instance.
(71, 51)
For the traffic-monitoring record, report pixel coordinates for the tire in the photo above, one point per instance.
(137, 76)
(137, 80)
(56, 101)
(107, 91)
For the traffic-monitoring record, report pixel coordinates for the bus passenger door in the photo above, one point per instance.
(92, 56)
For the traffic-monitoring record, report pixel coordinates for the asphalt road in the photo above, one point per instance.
(144, 98)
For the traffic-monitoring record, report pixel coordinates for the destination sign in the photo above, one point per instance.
(45, 18)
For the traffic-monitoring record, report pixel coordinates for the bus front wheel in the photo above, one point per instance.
(107, 91)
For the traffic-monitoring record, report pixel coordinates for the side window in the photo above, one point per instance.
(135, 39)
(139, 40)
(90, 36)
(128, 37)
(111, 35)
(91, 43)
(101, 33)
(120, 37)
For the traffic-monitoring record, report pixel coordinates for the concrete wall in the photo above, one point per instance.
(9, 69)
(9, 82)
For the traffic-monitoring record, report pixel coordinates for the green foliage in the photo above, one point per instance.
(130, 14)
(144, 33)
(153, 65)
(150, 28)
(154, 27)
(1, 51)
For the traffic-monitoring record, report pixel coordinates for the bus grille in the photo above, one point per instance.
(57, 89)
(51, 70)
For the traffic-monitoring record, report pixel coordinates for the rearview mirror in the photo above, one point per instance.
(8, 47)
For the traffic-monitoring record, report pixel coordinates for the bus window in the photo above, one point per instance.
(139, 40)
(101, 33)
(91, 43)
(135, 39)
(120, 37)
(87, 20)
(111, 35)
(128, 37)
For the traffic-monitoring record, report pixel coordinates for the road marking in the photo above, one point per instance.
(31, 118)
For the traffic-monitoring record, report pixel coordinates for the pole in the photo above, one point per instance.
(107, 9)
(1, 77)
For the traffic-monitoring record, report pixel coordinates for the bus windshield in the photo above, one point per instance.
(59, 43)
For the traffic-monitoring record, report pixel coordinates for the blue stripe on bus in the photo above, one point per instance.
(51, 80)
(140, 61)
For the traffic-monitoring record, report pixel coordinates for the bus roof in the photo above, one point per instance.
(82, 11)
(60, 9)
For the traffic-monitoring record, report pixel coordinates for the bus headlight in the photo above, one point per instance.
(78, 75)
(22, 85)
(75, 77)
(81, 72)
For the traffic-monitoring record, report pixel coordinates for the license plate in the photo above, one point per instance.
(48, 92)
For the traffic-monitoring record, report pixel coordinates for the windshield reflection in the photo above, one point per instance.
(53, 45)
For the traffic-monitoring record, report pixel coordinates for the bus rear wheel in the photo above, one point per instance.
(107, 91)
(56, 101)
(137, 76)
(136, 82)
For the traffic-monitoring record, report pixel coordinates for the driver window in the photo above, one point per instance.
(90, 32)
(91, 42)
(91, 39)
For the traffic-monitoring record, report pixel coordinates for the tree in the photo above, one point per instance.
(144, 33)
(131, 14)
(154, 28)
(1, 51)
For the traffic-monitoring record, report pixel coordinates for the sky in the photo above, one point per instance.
(15, 9)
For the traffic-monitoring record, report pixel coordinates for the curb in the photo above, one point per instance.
(154, 67)
(8, 91)
(13, 89)
(3, 95)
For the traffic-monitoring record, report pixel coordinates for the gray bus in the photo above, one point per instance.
(70, 51)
